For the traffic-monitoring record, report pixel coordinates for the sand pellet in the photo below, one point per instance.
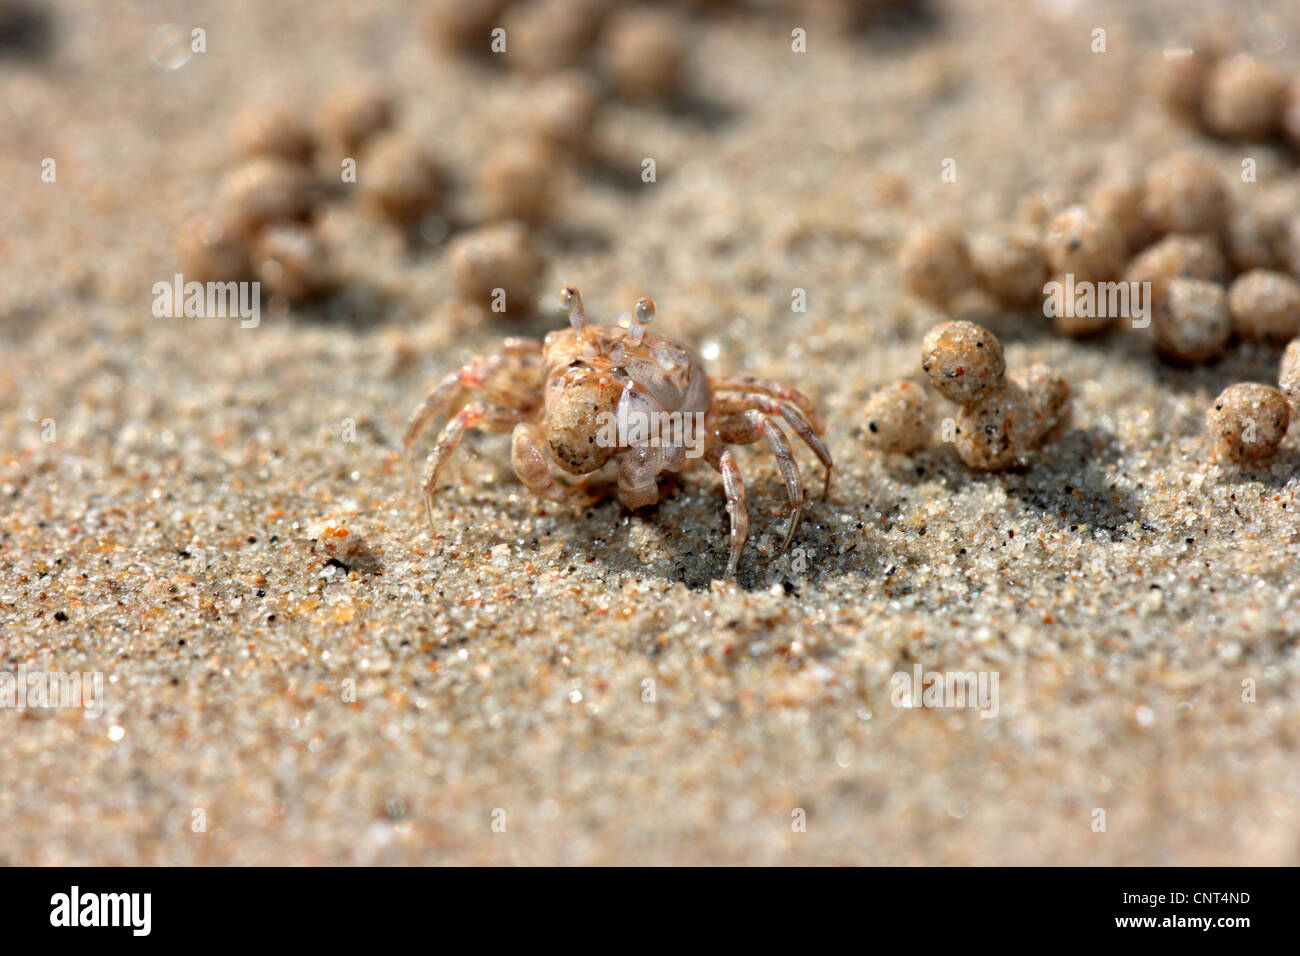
(1243, 98)
(563, 109)
(520, 180)
(1119, 199)
(275, 131)
(897, 418)
(212, 251)
(1047, 396)
(1185, 194)
(355, 113)
(496, 257)
(261, 192)
(398, 178)
(1265, 305)
(642, 53)
(1255, 236)
(1181, 75)
(1248, 421)
(1191, 320)
(991, 432)
(289, 259)
(1288, 376)
(963, 360)
(1008, 264)
(934, 263)
(1083, 243)
(1177, 257)
(550, 35)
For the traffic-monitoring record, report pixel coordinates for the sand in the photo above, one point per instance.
(533, 684)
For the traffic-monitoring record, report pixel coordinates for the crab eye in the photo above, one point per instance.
(645, 310)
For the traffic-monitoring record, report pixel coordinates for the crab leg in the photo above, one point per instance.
(733, 484)
(440, 398)
(637, 487)
(747, 383)
(747, 427)
(475, 374)
(730, 404)
(491, 418)
(527, 454)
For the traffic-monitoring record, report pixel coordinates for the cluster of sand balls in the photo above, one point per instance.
(1248, 421)
(518, 188)
(263, 221)
(638, 51)
(1001, 418)
(1236, 97)
(263, 224)
(576, 52)
(1216, 269)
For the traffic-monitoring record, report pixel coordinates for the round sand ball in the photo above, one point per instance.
(496, 257)
(520, 181)
(355, 113)
(1177, 257)
(264, 191)
(398, 179)
(1181, 75)
(291, 261)
(1291, 111)
(1008, 264)
(274, 131)
(642, 52)
(1191, 321)
(1082, 242)
(1288, 376)
(1265, 305)
(1119, 199)
(1244, 98)
(1184, 194)
(212, 251)
(990, 433)
(1248, 421)
(963, 360)
(1254, 237)
(1047, 396)
(935, 263)
(550, 35)
(458, 25)
(898, 418)
(563, 111)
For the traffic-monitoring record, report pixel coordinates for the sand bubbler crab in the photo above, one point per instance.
(589, 405)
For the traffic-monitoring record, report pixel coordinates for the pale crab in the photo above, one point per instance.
(573, 404)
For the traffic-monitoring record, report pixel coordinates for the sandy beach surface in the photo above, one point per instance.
(535, 684)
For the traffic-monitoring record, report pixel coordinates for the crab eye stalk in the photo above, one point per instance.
(645, 311)
(571, 299)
